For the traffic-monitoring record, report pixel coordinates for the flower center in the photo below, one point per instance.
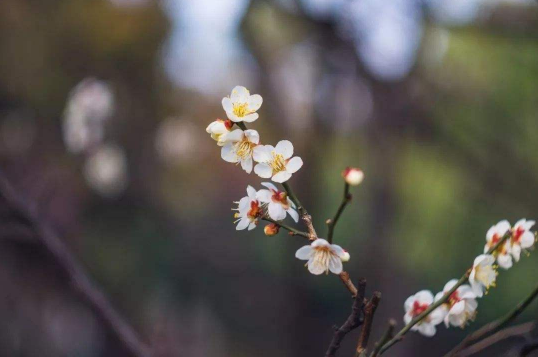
(278, 163)
(516, 236)
(454, 298)
(241, 109)
(280, 197)
(255, 210)
(244, 149)
(322, 257)
(418, 308)
(486, 275)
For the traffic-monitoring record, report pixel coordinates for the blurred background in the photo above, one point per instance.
(103, 110)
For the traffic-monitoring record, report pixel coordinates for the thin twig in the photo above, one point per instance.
(292, 230)
(331, 223)
(369, 312)
(501, 335)
(398, 337)
(307, 219)
(528, 348)
(386, 336)
(354, 320)
(78, 278)
(496, 325)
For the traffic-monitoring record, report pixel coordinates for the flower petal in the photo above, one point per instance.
(264, 196)
(234, 136)
(263, 170)
(254, 102)
(424, 297)
(251, 192)
(262, 153)
(249, 118)
(276, 211)
(335, 265)
(243, 223)
(527, 240)
(246, 164)
(285, 148)
(293, 214)
(304, 253)
(227, 153)
(270, 186)
(227, 104)
(239, 94)
(294, 164)
(282, 176)
(252, 136)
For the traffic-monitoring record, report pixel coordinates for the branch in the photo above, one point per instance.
(528, 348)
(501, 335)
(304, 214)
(369, 312)
(435, 305)
(496, 325)
(354, 320)
(332, 222)
(386, 336)
(293, 231)
(344, 276)
(79, 280)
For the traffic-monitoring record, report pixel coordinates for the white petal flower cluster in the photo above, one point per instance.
(459, 307)
(242, 146)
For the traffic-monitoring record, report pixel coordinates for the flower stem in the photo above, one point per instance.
(332, 222)
(304, 214)
(241, 125)
(398, 337)
(286, 227)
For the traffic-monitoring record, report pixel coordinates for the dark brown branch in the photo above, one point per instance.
(385, 338)
(496, 325)
(519, 330)
(528, 348)
(369, 312)
(332, 222)
(354, 320)
(78, 278)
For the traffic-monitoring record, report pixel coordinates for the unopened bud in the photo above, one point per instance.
(353, 176)
(271, 229)
(345, 257)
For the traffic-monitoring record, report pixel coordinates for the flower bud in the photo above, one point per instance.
(353, 176)
(345, 257)
(271, 229)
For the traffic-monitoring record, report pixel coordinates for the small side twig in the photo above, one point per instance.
(369, 312)
(307, 219)
(496, 325)
(331, 223)
(292, 230)
(501, 335)
(344, 276)
(386, 336)
(354, 320)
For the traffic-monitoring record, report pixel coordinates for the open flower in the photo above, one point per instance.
(494, 236)
(322, 257)
(416, 305)
(248, 211)
(460, 306)
(276, 162)
(278, 203)
(219, 129)
(522, 237)
(239, 147)
(241, 106)
(483, 274)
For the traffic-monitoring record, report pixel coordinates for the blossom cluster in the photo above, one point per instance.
(461, 305)
(243, 146)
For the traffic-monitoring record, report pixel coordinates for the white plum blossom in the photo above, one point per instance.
(276, 162)
(239, 147)
(248, 211)
(241, 106)
(219, 130)
(416, 305)
(494, 236)
(278, 203)
(483, 274)
(353, 176)
(522, 237)
(322, 257)
(460, 306)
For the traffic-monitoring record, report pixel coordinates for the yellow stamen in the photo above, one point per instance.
(241, 109)
(278, 163)
(244, 149)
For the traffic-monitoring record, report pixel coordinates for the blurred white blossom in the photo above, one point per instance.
(416, 305)
(248, 211)
(503, 252)
(323, 257)
(177, 140)
(483, 275)
(90, 103)
(461, 305)
(106, 170)
(522, 237)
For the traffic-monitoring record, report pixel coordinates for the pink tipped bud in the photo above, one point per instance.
(353, 176)
(271, 229)
(345, 257)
